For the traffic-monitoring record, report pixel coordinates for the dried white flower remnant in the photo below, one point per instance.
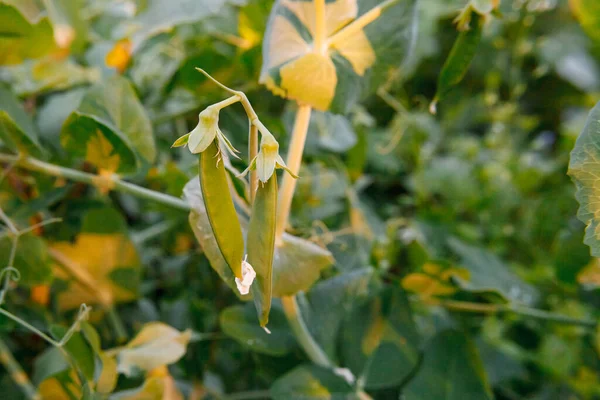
(248, 276)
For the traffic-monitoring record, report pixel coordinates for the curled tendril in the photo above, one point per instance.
(83, 313)
(13, 274)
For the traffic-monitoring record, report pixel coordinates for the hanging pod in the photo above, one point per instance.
(220, 209)
(261, 245)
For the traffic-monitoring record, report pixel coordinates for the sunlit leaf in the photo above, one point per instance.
(351, 42)
(588, 14)
(111, 109)
(451, 370)
(584, 167)
(22, 39)
(239, 322)
(102, 263)
(17, 131)
(48, 74)
(433, 281)
(261, 245)
(70, 28)
(156, 345)
(220, 209)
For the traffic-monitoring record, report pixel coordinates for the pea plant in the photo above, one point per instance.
(299, 199)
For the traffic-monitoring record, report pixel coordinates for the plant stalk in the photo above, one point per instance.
(294, 159)
(115, 182)
(310, 346)
(16, 373)
(252, 152)
(320, 33)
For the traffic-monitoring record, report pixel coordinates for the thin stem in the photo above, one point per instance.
(34, 164)
(294, 159)
(117, 324)
(319, 39)
(466, 306)
(16, 373)
(359, 23)
(252, 152)
(83, 313)
(312, 348)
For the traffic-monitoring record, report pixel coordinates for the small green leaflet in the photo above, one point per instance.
(459, 59)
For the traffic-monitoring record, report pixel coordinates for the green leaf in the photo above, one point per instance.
(460, 57)
(31, 259)
(79, 349)
(489, 273)
(48, 364)
(48, 75)
(22, 39)
(381, 332)
(451, 370)
(110, 128)
(588, 14)
(348, 63)
(17, 131)
(310, 382)
(220, 209)
(297, 265)
(261, 245)
(239, 322)
(583, 169)
(328, 302)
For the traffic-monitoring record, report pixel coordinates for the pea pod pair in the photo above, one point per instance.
(228, 231)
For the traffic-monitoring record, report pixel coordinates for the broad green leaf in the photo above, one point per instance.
(297, 262)
(110, 128)
(79, 350)
(460, 57)
(31, 259)
(101, 265)
(451, 370)
(48, 364)
(17, 131)
(588, 14)
(328, 302)
(48, 75)
(220, 209)
(310, 382)
(156, 345)
(261, 245)
(488, 273)
(356, 36)
(584, 168)
(22, 39)
(297, 265)
(380, 332)
(239, 322)
(54, 112)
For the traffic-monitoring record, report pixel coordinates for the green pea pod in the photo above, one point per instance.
(261, 245)
(220, 209)
(460, 57)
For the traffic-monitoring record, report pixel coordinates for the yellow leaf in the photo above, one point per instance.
(156, 345)
(426, 285)
(152, 389)
(590, 275)
(313, 71)
(286, 44)
(358, 51)
(91, 260)
(100, 152)
(108, 377)
(120, 55)
(52, 389)
(337, 13)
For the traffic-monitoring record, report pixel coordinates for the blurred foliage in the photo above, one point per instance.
(423, 241)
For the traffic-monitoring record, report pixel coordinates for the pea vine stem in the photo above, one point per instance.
(294, 159)
(16, 373)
